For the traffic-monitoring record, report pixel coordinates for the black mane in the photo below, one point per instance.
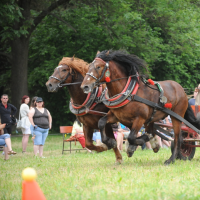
(131, 63)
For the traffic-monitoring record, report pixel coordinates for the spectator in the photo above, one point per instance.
(118, 133)
(77, 130)
(163, 142)
(41, 122)
(197, 100)
(6, 142)
(33, 102)
(97, 137)
(146, 145)
(33, 105)
(192, 100)
(24, 111)
(7, 111)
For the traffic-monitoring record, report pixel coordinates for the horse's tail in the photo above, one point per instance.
(190, 117)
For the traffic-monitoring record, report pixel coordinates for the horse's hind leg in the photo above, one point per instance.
(177, 131)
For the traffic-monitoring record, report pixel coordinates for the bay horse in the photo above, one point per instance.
(70, 72)
(117, 69)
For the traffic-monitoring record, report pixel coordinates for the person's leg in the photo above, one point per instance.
(120, 141)
(98, 142)
(22, 142)
(26, 132)
(35, 149)
(25, 142)
(44, 137)
(166, 143)
(8, 144)
(6, 153)
(148, 145)
(37, 140)
(41, 150)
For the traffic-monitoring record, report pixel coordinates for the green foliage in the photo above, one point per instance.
(164, 33)
(10, 13)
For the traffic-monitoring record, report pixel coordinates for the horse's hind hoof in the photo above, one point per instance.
(168, 162)
(155, 150)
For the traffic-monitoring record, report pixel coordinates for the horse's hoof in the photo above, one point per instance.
(104, 146)
(130, 150)
(119, 161)
(167, 162)
(129, 154)
(155, 150)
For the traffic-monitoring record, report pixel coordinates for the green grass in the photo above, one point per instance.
(81, 175)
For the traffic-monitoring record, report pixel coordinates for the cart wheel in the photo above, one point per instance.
(186, 152)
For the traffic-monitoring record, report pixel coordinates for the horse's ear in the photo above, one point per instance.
(98, 52)
(72, 59)
(107, 52)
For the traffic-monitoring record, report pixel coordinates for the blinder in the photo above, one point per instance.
(106, 67)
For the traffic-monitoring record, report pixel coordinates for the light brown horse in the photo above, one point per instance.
(118, 66)
(70, 72)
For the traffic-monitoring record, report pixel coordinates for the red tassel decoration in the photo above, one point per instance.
(168, 105)
(107, 79)
(151, 82)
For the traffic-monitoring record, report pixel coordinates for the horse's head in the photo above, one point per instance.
(95, 75)
(62, 74)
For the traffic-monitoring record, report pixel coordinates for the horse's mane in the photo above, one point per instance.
(77, 64)
(131, 63)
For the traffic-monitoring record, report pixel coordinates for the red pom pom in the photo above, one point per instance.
(151, 82)
(168, 105)
(107, 79)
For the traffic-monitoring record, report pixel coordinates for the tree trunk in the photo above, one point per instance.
(19, 70)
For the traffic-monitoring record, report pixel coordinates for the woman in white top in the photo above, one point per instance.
(24, 110)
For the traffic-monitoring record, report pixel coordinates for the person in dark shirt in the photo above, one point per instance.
(7, 110)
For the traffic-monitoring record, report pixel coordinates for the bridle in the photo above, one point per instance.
(106, 67)
(61, 83)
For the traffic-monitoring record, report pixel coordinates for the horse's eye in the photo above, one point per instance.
(98, 67)
(64, 70)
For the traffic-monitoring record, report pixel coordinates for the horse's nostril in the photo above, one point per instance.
(86, 89)
(50, 85)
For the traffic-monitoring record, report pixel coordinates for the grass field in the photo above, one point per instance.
(81, 175)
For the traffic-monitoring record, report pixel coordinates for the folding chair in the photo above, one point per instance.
(67, 130)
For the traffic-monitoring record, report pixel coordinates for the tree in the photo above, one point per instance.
(20, 30)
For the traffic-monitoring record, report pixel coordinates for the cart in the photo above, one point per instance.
(190, 138)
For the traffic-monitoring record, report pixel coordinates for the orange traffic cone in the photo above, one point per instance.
(30, 188)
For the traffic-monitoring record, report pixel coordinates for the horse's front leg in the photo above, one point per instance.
(102, 124)
(88, 133)
(152, 137)
(132, 138)
(107, 135)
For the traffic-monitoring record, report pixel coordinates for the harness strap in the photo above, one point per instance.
(162, 136)
(165, 110)
(157, 127)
